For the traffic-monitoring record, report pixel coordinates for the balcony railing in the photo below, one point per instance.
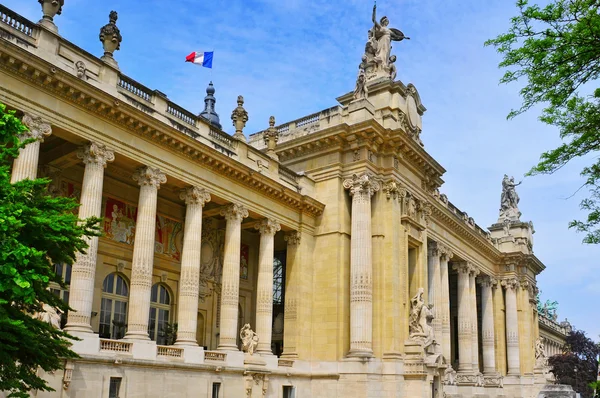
(169, 351)
(215, 356)
(16, 21)
(115, 345)
(223, 138)
(181, 113)
(135, 88)
(288, 174)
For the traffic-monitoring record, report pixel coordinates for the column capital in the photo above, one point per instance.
(268, 226)
(445, 252)
(365, 183)
(434, 249)
(147, 175)
(234, 211)
(463, 267)
(510, 283)
(487, 281)
(38, 128)
(473, 270)
(95, 153)
(292, 238)
(195, 196)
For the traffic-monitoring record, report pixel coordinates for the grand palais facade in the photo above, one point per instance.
(316, 258)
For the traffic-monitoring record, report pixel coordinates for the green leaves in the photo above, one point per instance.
(556, 49)
(36, 231)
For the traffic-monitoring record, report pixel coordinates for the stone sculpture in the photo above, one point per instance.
(50, 8)
(249, 339)
(81, 70)
(509, 201)
(361, 91)
(420, 327)
(49, 315)
(111, 38)
(541, 359)
(239, 116)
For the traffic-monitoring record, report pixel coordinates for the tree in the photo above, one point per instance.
(36, 231)
(578, 366)
(556, 49)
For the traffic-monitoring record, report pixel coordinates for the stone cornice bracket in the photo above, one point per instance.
(363, 184)
(234, 211)
(267, 226)
(194, 196)
(147, 175)
(293, 238)
(38, 128)
(239, 116)
(392, 189)
(427, 211)
(511, 283)
(95, 153)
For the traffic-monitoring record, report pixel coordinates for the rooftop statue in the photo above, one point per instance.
(509, 201)
(377, 62)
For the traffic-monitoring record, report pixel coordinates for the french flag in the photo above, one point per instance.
(201, 58)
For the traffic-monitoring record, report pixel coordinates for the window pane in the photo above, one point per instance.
(115, 386)
(68, 274)
(152, 324)
(121, 288)
(66, 296)
(108, 284)
(164, 296)
(58, 269)
(56, 292)
(163, 319)
(154, 294)
(105, 324)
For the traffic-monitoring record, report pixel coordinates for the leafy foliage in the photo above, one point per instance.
(557, 50)
(578, 366)
(36, 231)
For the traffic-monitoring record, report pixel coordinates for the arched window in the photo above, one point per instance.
(277, 281)
(113, 309)
(160, 309)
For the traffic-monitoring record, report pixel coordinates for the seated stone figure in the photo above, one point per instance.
(249, 339)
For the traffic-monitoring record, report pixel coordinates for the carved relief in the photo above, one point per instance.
(38, 128)
(95, 153)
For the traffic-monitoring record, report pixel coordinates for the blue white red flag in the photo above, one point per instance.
(201, 58)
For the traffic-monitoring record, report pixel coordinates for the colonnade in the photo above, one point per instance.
(96, 156)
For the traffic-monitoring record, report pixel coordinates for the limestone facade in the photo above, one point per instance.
(318, 238)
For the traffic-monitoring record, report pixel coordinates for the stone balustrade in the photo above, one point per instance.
(16, 21)
(115, 345)
(215, 356)
(169, 351)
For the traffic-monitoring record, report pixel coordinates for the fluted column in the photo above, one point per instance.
(189, 288)
(290, 313)
(435, 291)
(465, 362)
(512, 326)
(446, 254)
(230, 282)
(487, 324)
(264, 288)
(361, 265)
(149, 179)
(81, 292)
(474, 324)
(25, 166)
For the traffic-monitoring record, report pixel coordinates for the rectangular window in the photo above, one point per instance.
(216, 388)
(115, 386)
(289, 392)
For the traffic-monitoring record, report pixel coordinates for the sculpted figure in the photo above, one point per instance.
(391, 69)
(426, 318)
(509, 200)
(415, 325)
(49, 315)
(249, 339)
(541, 359)
(384, 36)
(361, 91)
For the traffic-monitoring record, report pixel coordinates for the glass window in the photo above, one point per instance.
(158, 319)
(64, 271)
(115, 386)
(289, 392)
(277, 281)
(113, 307)
(216, 388)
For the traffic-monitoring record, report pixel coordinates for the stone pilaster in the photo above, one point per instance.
(512, 326)
(149, 179)
(290, 329)
(25, 166)
(361, 265)
(446, 254)
(487, 325)
(81, 292)
(474, 324)
(230, 282)
(465, 347)
(435, 290)
(187, 312)
(264, 288)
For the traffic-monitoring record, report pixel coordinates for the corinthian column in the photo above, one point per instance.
(487, 325)
(435, 290)
(149, 180)
(446, 254)
(474, 324)
(361, 265)
(512, 326)
(25, 166)
(264, 288)
(465, 362)
(230, 282)
(81, 293)
(290, 313)
(189, 288)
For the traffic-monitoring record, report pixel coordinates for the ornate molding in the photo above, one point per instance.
(147, 175)
(364, 184)
(96, 153)
(195, 196)
(267, 226)
(293, 238)
(38, 128)
(511, 283)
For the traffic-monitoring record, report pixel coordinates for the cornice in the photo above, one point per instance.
(51, 79)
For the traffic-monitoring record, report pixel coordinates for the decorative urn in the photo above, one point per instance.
(110, 36)
(50, 8)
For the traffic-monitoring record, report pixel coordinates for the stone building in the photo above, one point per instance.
(328, 235)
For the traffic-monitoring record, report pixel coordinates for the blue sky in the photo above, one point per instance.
(290, 58)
